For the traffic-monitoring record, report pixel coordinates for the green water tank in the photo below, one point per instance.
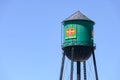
(77, 34)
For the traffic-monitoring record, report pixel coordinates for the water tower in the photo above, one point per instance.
(78, 43)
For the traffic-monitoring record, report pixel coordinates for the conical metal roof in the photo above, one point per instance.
(77, 16)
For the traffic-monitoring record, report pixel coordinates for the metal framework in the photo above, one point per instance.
(78, 67)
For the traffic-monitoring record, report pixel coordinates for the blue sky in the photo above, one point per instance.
(30, 37)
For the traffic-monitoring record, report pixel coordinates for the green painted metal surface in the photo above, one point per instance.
(78, 32)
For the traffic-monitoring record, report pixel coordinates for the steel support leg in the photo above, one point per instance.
(95, 66)
(62, 66)
(84, 68)
(78, 70)
(71, 72)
